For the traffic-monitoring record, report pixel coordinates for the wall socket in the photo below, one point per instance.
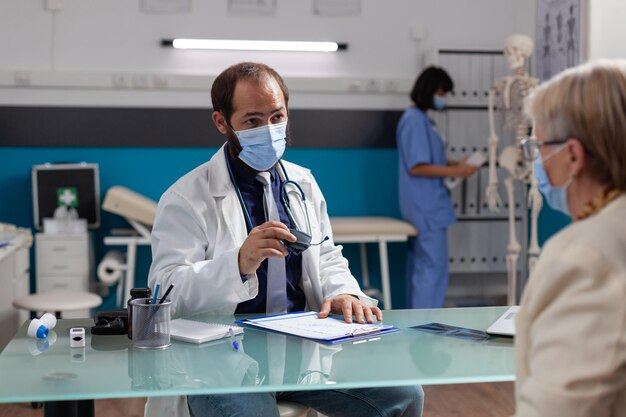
(140, 81)
(120, 80)
(22, 78)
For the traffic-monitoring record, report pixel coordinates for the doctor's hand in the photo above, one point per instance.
(350, 305)
(263, 242)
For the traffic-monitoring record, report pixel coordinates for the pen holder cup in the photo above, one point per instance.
(151, 324)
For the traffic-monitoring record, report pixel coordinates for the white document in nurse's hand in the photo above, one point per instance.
(477, 159)
(309, 326)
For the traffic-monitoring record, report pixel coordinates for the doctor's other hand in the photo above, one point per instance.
(349, 305)
(264, 241)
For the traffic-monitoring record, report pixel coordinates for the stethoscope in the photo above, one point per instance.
(304, 238)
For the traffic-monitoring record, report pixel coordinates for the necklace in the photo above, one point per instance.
(598, 203)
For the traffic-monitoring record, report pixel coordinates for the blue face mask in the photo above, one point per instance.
(263, 146)
(439, 102)
(556, 197)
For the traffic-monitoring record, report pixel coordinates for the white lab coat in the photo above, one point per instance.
(198, 230)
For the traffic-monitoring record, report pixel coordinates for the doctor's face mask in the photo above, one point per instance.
(263, 146)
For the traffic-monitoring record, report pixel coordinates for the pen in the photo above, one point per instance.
(161, 301)
(360, 332)
(156, 293)
(232, 339)
(169, 289)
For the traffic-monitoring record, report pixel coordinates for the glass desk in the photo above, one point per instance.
(109, 367)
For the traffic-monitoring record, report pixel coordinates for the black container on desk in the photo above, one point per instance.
(134, 294)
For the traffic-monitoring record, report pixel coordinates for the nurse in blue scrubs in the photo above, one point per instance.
(424, 198)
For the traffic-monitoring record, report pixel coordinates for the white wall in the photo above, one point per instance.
(89, 42)
(607, 29)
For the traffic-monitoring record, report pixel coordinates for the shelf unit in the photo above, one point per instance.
(64, 261)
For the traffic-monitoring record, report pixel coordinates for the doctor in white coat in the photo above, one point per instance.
(211, 239)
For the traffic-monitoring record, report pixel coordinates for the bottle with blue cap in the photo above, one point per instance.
(39, 328)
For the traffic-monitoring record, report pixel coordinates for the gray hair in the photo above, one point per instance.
(588, 103)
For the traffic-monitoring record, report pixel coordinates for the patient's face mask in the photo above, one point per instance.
(556, 197)
(263, 146)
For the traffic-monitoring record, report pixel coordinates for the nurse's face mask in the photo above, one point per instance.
(263, 146)
(439, 102)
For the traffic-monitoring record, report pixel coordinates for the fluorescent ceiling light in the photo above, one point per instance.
(242, 45)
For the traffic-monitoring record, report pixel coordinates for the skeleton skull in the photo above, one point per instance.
(517, 48)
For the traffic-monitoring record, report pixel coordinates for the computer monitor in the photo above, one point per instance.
(74, 185)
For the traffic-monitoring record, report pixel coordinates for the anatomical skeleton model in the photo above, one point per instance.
(507, 97)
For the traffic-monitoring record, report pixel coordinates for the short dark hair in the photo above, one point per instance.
(429, 81)
(223, 87)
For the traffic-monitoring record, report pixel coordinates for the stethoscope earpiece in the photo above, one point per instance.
(321, 241)
(303, 242)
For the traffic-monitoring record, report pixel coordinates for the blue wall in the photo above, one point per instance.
(355, 182)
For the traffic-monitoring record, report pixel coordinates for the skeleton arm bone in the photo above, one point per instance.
(491, 192)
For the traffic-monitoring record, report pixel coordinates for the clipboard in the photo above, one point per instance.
(329, 330)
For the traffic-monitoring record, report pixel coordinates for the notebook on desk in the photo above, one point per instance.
(199, 332)
(505, 325)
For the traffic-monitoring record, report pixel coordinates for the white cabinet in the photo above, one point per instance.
(15, 281)
(63, 261)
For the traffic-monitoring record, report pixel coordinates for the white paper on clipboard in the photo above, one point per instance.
(307, 325)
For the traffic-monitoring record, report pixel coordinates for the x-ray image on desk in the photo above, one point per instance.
(453, 331)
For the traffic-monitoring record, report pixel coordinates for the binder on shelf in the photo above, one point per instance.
(329, 330)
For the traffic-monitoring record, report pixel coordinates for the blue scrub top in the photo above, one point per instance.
(424, 201)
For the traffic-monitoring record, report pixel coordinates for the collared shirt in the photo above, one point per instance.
(252, 194)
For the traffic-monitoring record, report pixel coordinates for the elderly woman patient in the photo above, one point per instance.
(571, 330)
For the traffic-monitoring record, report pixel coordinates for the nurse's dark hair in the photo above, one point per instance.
(430, 80)
(223, 88)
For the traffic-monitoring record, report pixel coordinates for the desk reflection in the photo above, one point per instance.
(266, 360)
(186, 365)
(263, 359)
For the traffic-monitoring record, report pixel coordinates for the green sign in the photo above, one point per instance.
(67, 196)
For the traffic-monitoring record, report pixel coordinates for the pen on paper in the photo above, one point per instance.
(156, 293)
(169, 289)
(360, 332)
(234, 342)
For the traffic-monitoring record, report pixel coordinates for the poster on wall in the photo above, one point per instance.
(557, 36)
